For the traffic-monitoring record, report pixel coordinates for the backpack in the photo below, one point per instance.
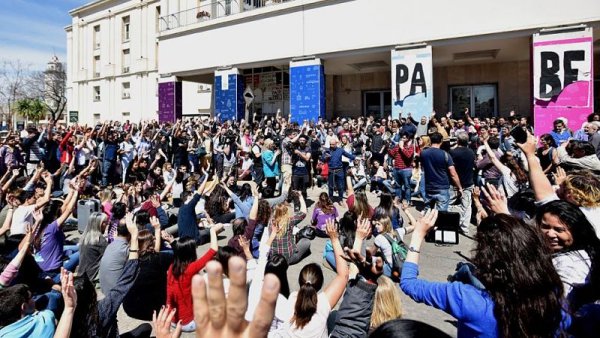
(399, 252)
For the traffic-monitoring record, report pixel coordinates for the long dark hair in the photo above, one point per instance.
(515, 265)
(278, 265)
(584, 238)
(264, 212)
(311, 281)
(325, 203)
(347, 229)
(86, 319)
(184, 253)
(245, 191)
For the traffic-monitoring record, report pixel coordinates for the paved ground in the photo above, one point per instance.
(436, 263)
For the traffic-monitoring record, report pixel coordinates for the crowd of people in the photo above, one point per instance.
(95, 218)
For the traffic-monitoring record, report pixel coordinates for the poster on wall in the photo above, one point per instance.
(563, 79)
(412, 82)
(307, 91)
(229, 95)
(169, 101)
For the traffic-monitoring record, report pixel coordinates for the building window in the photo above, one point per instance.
(96, 117)
(126, 25)
(482, 100)
(125, 89)
(125, 115)
(97, 37)
(96, 93)
(377, 103)
(97, 66)
(126, 59)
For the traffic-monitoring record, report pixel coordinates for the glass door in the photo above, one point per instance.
(482, 100)
(377, 103)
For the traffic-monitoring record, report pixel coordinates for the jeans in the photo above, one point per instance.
(302, 250)
(441, 198)
(108, 167)
(300, 183)
(336, 176)
(330, 258)
(359, 183)
(258, 176)
(464, 208)
(402, 177)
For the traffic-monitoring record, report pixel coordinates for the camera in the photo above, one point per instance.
(229, 137)
(290, 147)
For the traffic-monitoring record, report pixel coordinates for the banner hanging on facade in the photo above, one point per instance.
(563, 79)
(412, 82)
(307, 91)
(169, 101)
(229, 94)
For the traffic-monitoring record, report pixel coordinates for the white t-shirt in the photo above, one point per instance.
(317, 327)
(508, 182)
(21, 215)
(573, 267)
(382, 243)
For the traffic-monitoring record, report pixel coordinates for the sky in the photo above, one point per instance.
(33, 30)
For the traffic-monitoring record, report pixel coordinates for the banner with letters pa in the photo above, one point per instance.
(563, 79)
(412, 82)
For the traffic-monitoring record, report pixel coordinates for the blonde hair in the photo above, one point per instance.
(281, 218)
(105, 195)
(582, 188)
(386, 223)
(426, 142)
(387, 305)
(267, 144)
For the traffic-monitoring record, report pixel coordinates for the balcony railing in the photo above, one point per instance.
(213, 10)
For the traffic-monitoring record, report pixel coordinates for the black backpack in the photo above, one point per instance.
(399, 252)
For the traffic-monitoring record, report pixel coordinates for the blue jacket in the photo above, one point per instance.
(335, 157)
(472, 307)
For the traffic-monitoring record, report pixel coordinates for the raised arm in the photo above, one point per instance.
(71, 204)
(13, 175)
(492, 155)
(46, 198)
(336, 287)
(540, 184)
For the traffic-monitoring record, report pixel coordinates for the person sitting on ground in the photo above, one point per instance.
(283, 223)
(324, 210)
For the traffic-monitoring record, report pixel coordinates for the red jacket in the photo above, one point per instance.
(403, 157)
(179, 290)
(66, 149)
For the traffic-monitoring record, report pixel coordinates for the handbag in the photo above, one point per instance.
(306, 232)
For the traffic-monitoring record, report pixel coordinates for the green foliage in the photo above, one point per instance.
(31, 109)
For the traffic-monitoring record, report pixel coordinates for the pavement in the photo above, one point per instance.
(436, 263)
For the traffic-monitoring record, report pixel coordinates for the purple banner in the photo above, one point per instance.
(166, 102)
(169, 101)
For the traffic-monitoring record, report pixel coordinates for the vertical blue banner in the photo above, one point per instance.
(229, 96)
(307, 91)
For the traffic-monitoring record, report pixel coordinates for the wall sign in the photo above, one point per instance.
(562, 78)
(229, 94)
(412, 82)
(169, 101)
(307, 91)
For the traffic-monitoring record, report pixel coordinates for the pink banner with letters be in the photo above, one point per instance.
(562, 79)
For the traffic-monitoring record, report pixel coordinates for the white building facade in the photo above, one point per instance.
(479, 55)
(112, 63)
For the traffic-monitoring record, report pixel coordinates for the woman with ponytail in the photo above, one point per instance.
(311, 307)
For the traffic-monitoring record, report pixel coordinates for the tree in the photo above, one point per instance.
(14, 77)
(49, 85)
(31, 109)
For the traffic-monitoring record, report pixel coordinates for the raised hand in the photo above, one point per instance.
(331, 229)
(495, 199)
(426, 222)
(219, 316)
(162, 323)
(529, 146)
(167, 236)
(68, 289)
(560, 176)
(155, 222)
(363, 228)
(368, 267)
